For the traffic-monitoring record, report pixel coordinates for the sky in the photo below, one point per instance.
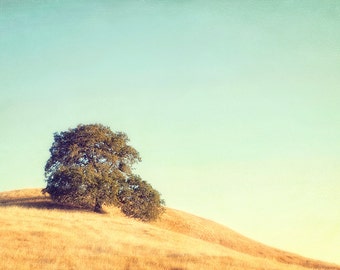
(234, 106)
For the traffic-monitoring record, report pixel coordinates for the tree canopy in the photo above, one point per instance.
(138, 199)
(90, 165)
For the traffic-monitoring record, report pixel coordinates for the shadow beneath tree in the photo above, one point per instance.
(38, 202)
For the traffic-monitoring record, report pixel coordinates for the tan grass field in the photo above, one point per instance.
(35, 233)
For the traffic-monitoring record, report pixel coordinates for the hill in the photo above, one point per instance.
(36, 233)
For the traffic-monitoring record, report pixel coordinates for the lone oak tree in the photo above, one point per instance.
(91, 165)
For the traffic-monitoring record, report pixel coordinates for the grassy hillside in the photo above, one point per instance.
(35, 233)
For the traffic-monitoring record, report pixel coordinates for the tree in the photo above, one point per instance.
(89, 166)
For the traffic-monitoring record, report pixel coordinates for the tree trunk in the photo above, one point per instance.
(98, 207)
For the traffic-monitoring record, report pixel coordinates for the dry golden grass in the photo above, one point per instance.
(35, 233)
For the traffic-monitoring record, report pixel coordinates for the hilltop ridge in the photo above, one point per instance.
(37, 233)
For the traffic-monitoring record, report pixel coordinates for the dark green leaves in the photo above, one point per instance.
(138, 199)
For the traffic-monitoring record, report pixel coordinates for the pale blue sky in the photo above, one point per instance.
(233, 105)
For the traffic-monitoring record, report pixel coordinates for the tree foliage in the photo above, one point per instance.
(138, 199)
(90, 165)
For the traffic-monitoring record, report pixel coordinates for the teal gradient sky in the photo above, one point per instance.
(234, 106)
